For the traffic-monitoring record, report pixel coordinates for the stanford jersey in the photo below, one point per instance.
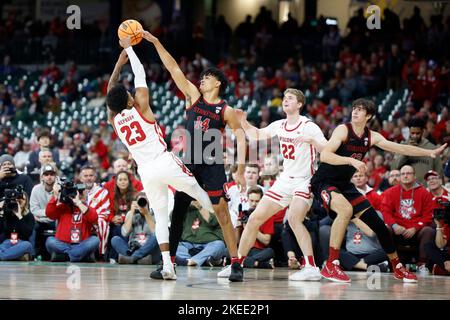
(354, 147)
(201, 118)
(298, 158)
(142, 137)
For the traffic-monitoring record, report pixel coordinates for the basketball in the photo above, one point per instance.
(130, 28)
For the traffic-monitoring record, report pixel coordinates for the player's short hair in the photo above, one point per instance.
(416, 123)
(219, 75)
(298, 94)
(117, 98)
(256, 190)
(366, 104)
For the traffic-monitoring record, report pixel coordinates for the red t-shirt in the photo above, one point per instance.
(266, 228)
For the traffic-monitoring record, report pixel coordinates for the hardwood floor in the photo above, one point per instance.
(44, 280)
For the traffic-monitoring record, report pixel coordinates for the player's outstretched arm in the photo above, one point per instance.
(140, 83)
(405, 149)
(121, 61)
(252, 132)
(328, 153)
(189, 90)
(232, 120)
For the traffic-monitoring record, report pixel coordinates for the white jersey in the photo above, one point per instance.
(142, 137)
(298, 157)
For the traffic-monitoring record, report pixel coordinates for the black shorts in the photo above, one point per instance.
(322, 190)
(211, 178)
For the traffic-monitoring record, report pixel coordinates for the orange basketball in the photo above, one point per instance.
(130, 28)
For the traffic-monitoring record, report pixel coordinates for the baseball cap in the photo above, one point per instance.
(431, 173)
(48, 168)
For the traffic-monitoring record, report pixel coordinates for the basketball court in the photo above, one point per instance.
(53, 281)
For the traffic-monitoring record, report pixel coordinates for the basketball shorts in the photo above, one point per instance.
(284, 189)
(212, 178)
(322, 189)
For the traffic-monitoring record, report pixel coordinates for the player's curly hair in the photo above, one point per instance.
(117, 98)
(219, 75)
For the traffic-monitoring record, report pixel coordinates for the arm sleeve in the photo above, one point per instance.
(34, 206)
(52, 210)
(138, 69)
(386, 210)
(427, 208)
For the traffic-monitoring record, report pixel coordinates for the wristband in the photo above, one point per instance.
(394, 225)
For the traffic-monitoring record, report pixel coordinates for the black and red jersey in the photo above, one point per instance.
(355, 147)
(205, 124)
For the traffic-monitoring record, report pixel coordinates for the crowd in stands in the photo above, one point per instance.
(108, 219)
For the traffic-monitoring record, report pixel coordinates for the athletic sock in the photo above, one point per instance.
(333, 255)
(238, 260)
(310, 261)
(395, 262)
(166, 258)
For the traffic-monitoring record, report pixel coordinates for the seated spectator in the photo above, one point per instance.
(75, 218)
(421, 165)
(44, 143)
(16, 226)
(10, 178)
(407, 209)
(238, 198)
(21, 157)
(142, 246)
(120, 199)
(40, 196)
(118, 166)
(361, 248)
(291, 249)
(97, 198)
(360, 181)
(201, 240)
(435, 187)
(393, 179)
(260, 255)
(438, 256)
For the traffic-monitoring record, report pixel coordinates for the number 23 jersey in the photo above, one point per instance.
(142, 137)
(298, 157)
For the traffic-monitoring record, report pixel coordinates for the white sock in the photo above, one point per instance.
(166, 258)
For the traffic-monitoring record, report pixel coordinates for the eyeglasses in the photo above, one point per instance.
(394, 175)
(407, 173)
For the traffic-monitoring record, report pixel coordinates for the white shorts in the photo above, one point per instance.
(284, 189)
(166, 170)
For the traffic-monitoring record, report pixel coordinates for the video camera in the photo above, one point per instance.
(69, 190)
(443, 213)
(11, 197)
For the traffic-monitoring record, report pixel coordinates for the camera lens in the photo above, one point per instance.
(142, 202)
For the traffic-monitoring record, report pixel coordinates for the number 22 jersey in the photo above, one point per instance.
(142, 137)
(298, 157)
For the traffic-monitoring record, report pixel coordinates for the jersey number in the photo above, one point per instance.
(133, 127)
(199, 124)
(288, 151)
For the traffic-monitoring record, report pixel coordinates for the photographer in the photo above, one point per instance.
(201, 240)
(437, 253)
(9, 178)
(260, 255)
(139, 226)
(40, 196)
(16, 226)
(75, 219)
